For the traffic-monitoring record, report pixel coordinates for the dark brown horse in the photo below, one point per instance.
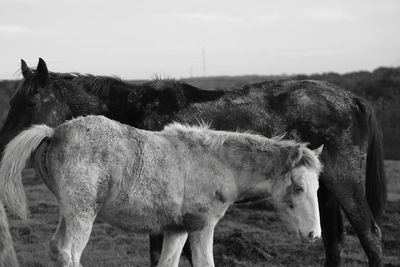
(312, 111)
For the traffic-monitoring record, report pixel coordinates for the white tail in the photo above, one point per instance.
(15, 156)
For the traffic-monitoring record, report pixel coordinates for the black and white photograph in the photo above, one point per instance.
(199, 133)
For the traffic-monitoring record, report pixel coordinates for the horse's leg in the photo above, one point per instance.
(172, 248)
(55, 242)
(332, 227)
(356, 208)
(188, 252)
(79, 205)
(77, 233)
(201, 243)
(349, 190)
(156, 242)
(7, 252)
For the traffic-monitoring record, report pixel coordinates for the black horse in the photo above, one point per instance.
(313, 111)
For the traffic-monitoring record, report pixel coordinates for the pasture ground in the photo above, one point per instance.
(247, 236)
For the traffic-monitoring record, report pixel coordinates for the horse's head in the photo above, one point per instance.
(41, 98)
(31, 103)
(296, 194)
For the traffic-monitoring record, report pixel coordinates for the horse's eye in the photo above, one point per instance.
(33, 101)
(32, 104)
(291, 206)
(297, 189)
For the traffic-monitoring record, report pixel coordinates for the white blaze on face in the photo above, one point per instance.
(306, 203)
(299, 202)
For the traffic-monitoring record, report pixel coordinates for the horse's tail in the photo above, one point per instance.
(16, 154)
(376, 190)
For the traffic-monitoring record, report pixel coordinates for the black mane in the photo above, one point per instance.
(178, 93)
(98, 85)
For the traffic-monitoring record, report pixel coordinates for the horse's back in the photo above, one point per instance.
(88, 127)
(94, 141)
(312, 111)
(305, 98)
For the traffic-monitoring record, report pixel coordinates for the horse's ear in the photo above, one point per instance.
(318, 150)
(295, 155)
(42, 74)
(26, 71)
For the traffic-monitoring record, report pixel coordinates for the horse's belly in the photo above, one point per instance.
(141, 214)
(161, 217)
(127, 221)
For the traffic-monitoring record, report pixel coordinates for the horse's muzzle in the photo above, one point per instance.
(310, 238)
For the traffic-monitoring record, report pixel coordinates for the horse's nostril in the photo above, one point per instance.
(311, 235)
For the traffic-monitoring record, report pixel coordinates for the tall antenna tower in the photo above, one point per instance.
(204, 62)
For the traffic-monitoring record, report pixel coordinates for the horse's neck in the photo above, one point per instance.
(120, 106)
(254, 172)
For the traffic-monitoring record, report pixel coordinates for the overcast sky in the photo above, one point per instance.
(138, 39)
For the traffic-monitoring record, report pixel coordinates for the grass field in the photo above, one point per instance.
(245, 237)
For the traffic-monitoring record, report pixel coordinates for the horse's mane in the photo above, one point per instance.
(95, 84)
(98, 85)
(215, 139)
(243, 140)
(30, 83)
(160, 83)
